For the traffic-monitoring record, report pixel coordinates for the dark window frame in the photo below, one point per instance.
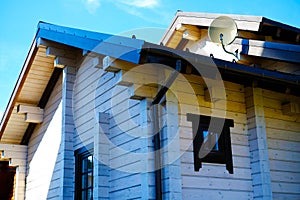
(223, 155)
(81, 155)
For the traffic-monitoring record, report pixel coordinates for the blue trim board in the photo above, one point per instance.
(116, 46)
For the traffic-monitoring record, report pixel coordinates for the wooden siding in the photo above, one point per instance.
(103, 109)
(170, 145)
(43, 172)
(213, 181)
(85, 83)
(260, 166)
(123, 124)
(18, 158)
(283, 133)
(86, 121)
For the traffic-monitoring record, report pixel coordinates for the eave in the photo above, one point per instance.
(230, 71)
(121, 48)
(61, 37)
(16, 91)
(257, 24)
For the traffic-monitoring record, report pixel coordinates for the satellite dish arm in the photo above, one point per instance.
(223, 46)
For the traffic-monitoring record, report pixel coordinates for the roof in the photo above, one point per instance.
(35, 82)
(124, 48)
(244, 22)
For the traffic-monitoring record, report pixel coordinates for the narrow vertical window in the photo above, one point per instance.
(84, 175)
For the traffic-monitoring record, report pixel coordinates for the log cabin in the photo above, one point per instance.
(100, 116)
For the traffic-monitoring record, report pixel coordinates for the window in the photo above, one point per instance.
(84, 174)
(212, 143)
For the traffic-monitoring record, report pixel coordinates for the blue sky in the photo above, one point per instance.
(18, 21)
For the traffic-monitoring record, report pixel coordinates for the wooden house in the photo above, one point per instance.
(98, 116)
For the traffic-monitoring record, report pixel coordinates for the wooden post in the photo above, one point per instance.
(259, 159)
(101, 157)
(66, 147)
(171, 172)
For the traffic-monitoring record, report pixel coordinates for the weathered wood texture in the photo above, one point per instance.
(17, 154)
(283, 134)
(43, 174)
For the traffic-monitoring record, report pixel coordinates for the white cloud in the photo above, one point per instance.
(141, 3)
(91, 5)
(144, 9)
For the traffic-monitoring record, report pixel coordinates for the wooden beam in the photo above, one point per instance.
(33, 114)
(291, 108)
(140, 92)
(111, 64)
(22, 109)
(61, 52)
(42, 103)
(34, 118)
(191, 35)
(214, 94)
(184, 27)
(161, 93)
(52, 52)
(61, 62)
(269, 50)
(40, 42)
(120, 80)
(97, 62)
(189, 32)
(91, 61)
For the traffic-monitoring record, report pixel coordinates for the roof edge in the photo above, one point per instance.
(18, 86)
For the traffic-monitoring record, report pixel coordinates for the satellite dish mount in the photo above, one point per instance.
(223, 30)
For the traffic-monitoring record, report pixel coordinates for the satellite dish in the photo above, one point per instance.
(224, 26)
(223, 30)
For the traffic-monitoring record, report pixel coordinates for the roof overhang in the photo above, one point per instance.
(248, 23)
(131, 50)
(230, 71)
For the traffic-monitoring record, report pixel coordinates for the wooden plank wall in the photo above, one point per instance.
(43, 174)
(283, 134)
(85, 84)
(170, 145)
(95, 94)
(86, 119)
(18, 158)
(126, 116)
(213, 181)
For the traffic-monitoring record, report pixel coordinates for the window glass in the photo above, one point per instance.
(84, 175)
